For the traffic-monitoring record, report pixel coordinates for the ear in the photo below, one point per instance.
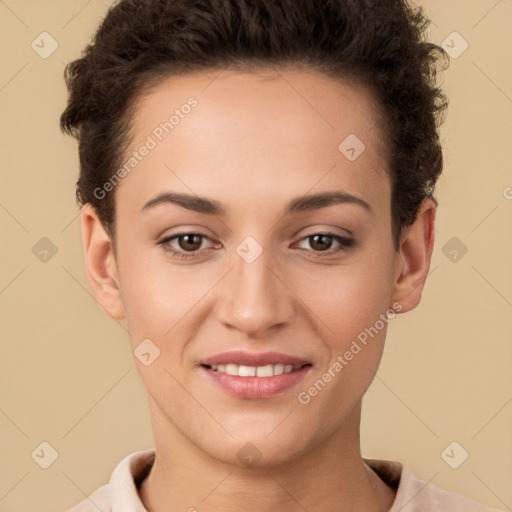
(100, 263)
(415, 252)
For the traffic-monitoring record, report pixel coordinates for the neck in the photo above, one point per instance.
(331, 476)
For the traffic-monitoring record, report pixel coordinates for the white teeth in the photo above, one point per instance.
(268, 370)
(247, 371)
(265, 371)
(278, 369)
(232, 369)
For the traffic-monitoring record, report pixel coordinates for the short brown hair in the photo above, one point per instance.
(378, 44)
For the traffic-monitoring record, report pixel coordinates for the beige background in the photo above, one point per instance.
(67, 375)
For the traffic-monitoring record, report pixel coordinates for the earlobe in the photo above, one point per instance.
(413, 258)
(100, 263)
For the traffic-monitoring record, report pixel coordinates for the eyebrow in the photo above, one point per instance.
(298, 205)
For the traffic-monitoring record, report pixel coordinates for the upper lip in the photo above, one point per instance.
(244, 358)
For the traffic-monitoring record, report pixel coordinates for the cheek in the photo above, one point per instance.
(158, 301)
(156, 294)
(353, 308)
(349, 302)
(347, 298)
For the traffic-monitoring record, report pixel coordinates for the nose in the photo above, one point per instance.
(254, 297)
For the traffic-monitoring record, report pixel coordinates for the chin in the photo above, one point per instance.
(255, 454)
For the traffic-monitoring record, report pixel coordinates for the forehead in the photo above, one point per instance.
(259, 131)
(264, 96)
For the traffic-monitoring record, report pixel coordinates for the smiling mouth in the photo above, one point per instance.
(269, 370)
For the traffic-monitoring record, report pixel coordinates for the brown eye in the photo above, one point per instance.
(190, 241)
(320, 242)
(186, 245)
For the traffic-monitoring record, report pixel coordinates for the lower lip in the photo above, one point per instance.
(256, 387)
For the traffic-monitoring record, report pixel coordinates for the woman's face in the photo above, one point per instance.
(255, 279)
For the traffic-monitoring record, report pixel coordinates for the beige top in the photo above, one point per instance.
(413, 495)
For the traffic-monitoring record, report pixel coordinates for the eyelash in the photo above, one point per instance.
(345, 243)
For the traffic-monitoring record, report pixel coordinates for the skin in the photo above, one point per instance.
(257, 140)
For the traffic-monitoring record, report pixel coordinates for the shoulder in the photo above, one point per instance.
(121, 492)
(416, 495)
(99, 500)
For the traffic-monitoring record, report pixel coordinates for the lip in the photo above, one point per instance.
(244, 358)
(255, 388)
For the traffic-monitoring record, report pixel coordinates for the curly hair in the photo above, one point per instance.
(379, 45)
